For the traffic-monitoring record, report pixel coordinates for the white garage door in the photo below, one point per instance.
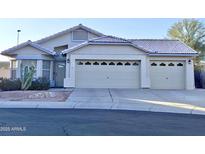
(167, 74)
(107, 74)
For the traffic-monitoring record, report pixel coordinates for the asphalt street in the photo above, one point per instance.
(74, 122)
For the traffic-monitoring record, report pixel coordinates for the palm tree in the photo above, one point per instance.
(192, 33)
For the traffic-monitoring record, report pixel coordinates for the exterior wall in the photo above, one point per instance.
(107, 52)
(64, 40)
(103, 52)
(39, 69)
(30, 53)
(51, 73)
(190, 83)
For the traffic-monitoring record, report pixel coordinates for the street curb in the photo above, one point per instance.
(107, 106)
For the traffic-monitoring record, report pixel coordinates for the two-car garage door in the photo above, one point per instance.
(167, 74)
(107, 74)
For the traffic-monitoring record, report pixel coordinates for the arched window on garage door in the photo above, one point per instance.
(103, 63)
(87, 63)
(135, 64)
(119, 63)
(80, 63)
(95, 63)
(162, 64)
(111, 63)
(171, 64)
(127, 64)
(179, 64)
(153, 64)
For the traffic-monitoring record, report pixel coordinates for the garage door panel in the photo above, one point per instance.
(170, 76)
(107, 76)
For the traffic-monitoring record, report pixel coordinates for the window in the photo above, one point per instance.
(111, 63)
(95, 63)
(80, 35)
(179, 64)
(153, 64)
(80, 63)
(162, 64)
(127, 63)
(13, 69)
(171, 64)
(103, 63)
(87, 63)
(119, 63)
(46, 69)
(28, 63)
(135, 64)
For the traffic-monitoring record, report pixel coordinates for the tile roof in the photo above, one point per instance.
(163, 46)
(109, 39)
(103, 40)
(151, 46)
(22, 45)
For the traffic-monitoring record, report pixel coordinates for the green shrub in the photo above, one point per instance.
(40, 84)
(9, 85)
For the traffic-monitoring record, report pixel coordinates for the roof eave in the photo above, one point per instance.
(9, 51)
(174, 54)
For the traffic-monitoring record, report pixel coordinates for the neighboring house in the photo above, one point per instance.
(84, 58)
(4, 70)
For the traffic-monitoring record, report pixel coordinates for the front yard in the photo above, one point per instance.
(43, 95)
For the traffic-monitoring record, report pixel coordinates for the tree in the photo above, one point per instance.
(192, 33)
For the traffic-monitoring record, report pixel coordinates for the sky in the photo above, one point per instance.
(34, 29)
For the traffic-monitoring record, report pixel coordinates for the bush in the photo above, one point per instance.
(9, 85)
(199, 79)
(40, 84)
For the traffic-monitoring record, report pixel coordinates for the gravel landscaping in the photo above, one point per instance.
(34, 95)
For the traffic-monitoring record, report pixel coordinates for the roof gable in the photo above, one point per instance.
(111, 40)
(28, 43)
(80, 26)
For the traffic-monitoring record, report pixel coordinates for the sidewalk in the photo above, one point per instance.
(140, 106)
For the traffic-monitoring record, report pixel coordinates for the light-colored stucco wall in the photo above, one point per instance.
(31, 53)
(65, 39)
(117, 52)
(107, 52)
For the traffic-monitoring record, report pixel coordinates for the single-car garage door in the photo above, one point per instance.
(167, 74)
(107, 74)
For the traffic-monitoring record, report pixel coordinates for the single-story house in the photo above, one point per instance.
(85, 58)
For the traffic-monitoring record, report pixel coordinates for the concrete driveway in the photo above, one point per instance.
(174, 101)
